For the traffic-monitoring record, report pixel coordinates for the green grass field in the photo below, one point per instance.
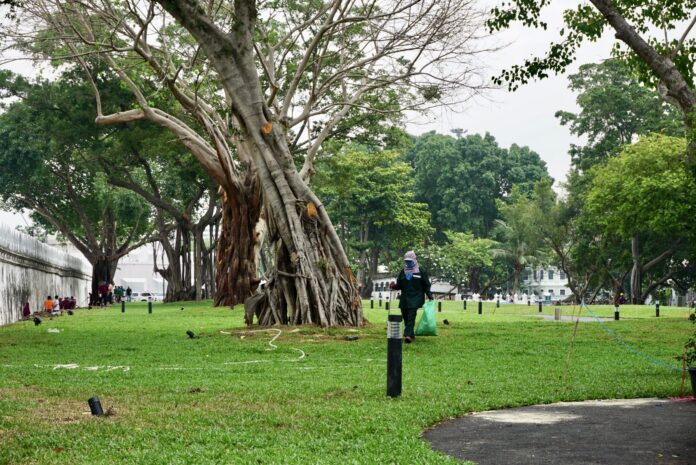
(228, 399)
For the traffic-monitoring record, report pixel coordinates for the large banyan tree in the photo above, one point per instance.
(261, 85)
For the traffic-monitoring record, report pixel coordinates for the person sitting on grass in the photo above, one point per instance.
(414, 284)
(48, 304)
(26, 311)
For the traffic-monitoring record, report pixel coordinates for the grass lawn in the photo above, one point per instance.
(228, 399)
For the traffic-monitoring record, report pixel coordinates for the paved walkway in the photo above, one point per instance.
(612, 432)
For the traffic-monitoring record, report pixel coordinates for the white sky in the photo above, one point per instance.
(524, 117)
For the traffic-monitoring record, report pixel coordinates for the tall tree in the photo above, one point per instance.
(646, 198)
(461, 179)
(370, 197)
(45, 149)
(615, 108)
(319, 62)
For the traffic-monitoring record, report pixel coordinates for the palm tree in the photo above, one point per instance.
(514, 249)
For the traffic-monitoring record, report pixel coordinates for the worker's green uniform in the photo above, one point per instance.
(412, 298)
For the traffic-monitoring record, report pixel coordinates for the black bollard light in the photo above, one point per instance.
(372, 303)
(394, 355)
(497, 303)
(149, 307)
(464, 304)
(380, 302)
(439, 306)
(95, 406)
(386, 305)
(123, 306)
(529, 303)
(480, 309)
(657, 309)
(539, 306)
(616, 312)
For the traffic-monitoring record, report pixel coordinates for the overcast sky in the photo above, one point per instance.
(524, 117)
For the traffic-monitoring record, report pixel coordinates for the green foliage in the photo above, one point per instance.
(201, 400)
(451, 261)
(614, 109)
(646, 195)
(584, 23)
(647, 190)
(369, 195)
(47, 144)
(461, 180)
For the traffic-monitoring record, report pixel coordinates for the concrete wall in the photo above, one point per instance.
(31, 270)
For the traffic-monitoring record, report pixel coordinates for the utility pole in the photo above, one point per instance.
(458, 132)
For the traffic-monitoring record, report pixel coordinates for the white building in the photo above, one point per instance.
(137, 271)
(549, 282)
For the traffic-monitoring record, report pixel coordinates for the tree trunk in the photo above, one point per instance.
(236, 270)
(474, 279)
(103, 271)
(312, 282)
(198, 264)
(373, 262)
(636, 272)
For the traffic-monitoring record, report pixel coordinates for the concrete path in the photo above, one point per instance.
(611, 432)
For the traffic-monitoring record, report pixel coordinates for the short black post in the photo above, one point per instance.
(657, 309)
(497, 303)
(529, 303)
(95, 406)
(394, 355)
(616, 312)
(380, 302)
(480, 310)
(372, 303)
(386, 304)
(439, 305)
(464, 304)
(123, 306)
(149, 307)
(539, 306)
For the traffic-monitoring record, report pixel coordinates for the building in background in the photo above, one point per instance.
(137, 271)
(549, 283)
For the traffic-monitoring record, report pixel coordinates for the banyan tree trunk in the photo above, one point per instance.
(312, 282)
(236, 277)
(102, 272)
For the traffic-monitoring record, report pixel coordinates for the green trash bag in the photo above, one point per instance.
(426, 325)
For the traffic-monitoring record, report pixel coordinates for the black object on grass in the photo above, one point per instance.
(352, 338)
(70, 312)
(95, 406)
(445, 321)
(37, 321)
(190, 334)
(182, 308)
(394, 355)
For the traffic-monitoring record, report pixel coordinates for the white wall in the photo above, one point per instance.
(31, 270)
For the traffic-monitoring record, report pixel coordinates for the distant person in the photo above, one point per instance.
(118, 292)
(26, 311)
(129, 294)
(414, 284)
(56, 304)
(103, 291)
(48, 304)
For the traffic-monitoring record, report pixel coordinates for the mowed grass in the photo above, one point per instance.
(228, 399)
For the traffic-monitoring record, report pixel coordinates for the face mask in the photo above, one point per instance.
(409, 263)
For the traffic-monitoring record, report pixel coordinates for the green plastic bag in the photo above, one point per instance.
(426, 325)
